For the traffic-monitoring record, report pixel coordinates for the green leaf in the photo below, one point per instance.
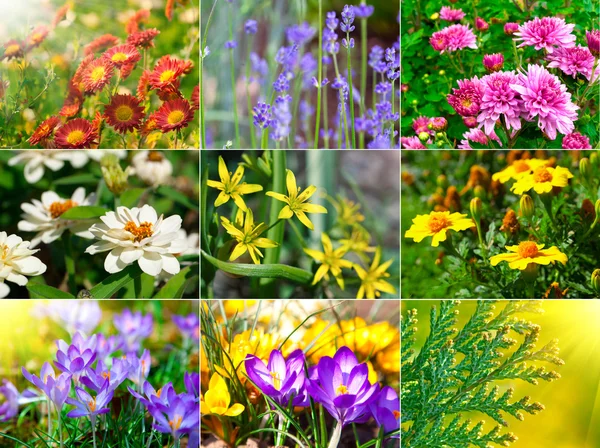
(177, 284)
(262, 270)
(131, 197)
(47, 292)
(77, 179)
(208, 271)
(84, 212)
(111, 284)
(177, 196)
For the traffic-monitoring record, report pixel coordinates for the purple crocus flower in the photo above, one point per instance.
(154, 397)
(251, 26)
(179, 416)
(342, 386)
(188, 325)
(96, 378)
(192, 384)
(10, 407)
(74, 361)
(86, 405)
(106, 346)
(133, 327)
(386, 410)
(56, 389)
(78, 341)
(139, 367)
(281, 380)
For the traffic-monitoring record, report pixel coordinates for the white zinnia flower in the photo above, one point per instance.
(138, 234)
(37, 160)
(44, 216)
(16, 261)
(152, 167)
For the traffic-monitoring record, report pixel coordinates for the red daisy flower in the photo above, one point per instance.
(124, 113)
(120, 55)
(149, 125)
(170, 93)
(143, 85)
(12, 49)
(37, 36)
(75, 134)
(72, 103)
(174, 115)
(97, 75)
(132, 25)
(143, 39)
(44, 130)
(166, 72)
(196, 97)
(101, 43)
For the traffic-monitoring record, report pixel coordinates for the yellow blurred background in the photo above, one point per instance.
(571, 418)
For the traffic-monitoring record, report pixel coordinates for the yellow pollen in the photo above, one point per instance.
(98, 73)
(175, 117)
(92, 404)
(467, 102)
(175, 423)
(119, 57)
(155, 156)
(124, 112)
(276, 380)
(59, 207)
(12, 49)
(521, 166)
(542, 175)
(396, 414)
(4, 252)
(75, 137)
(438, 222)
(528, 249)
(158, 392)
(342, 390)
(106, 375)
(143, 231)
(167, 76)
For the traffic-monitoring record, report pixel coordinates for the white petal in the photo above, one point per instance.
(4, 289)
(54, 164)
(49, 197)
(151, 263)
(33, 173)
(111, 263)
(101, 246)
(178, 246)
(148, 214)
(170, 264)
(111, 220)
(19, 279)
(13, 240)
(171, 224)
(131, 254)
(78, 195)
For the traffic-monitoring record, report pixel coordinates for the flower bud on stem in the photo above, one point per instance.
(529, 274)
(476, 206)
(596, 281)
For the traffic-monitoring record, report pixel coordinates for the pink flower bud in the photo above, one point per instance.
(481, 24)
(493, 62)
(510, 28)
(470, 122)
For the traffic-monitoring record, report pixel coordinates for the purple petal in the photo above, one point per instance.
(346, 359)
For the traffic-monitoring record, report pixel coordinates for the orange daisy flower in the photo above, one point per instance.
(174, 115)
(101, 43)
(120, 55)
(44, 130)
(76, 134)
(37, 36)
(143, 39)
(83, 65)
(12, 49)
(196, 97)
(132, 25)
(72, 103)
(149, 125)
(124, 113)
(166, 73)
(97, 75)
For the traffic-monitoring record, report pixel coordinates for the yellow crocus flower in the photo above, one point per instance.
(230, 186)
(216, 399)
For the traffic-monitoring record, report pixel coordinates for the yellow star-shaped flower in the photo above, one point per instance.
(230, 186)
(371, 280)
(247, 237)
(331, 261)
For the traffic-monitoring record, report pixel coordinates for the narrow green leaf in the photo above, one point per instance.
(47, 292)
(84, 212)
(262, 270)
(176, 286)
(131, 197)
(208, 271)
(177, 196)
(111, 284)
(77, 179)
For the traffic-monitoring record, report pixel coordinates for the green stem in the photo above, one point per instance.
(363, 68)
(325, 121)
(264, 141)
(342, 102)
(517, 58)
(393, 112)
(335, 436)
(248, 99)
(233, 89)
(272, 225)
(351, 93)
(319, 76)
(60, 434)
(94, 434)
(69, 263)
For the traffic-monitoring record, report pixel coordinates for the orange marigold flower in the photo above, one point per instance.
(196, 97)
(452, 199)
(143, 39)
(132, 25)
(517, 154)
(101, 43)
(166, 73)
(37, 36)
(120, 55)
(174, 115)
(44, 130)
(12, 49)
(97, 75)
(76, 134)
(124, 113)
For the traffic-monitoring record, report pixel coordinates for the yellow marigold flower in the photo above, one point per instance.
(230, 186)
(543, 180)
(436, 224)
(216, 399)
(518, 169)
(248, 237)
(331, 261)
(358, 241)
(371, 280)
(296, 204)
(529, 252)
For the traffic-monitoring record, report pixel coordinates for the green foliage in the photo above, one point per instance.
(460, 370)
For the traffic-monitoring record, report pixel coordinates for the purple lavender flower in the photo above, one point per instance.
(283, 381)
(382, 141)
(376, 61)
(188, 325)
(282, 117)
(345, 42)
(281, 84)
(330, 43)
(259, 66)
(347, 19)
(262, 115)
(251, 26)
(300, 34)
(133, 327)
(139, 367)
(363, 11)
(231, 44)
(383, 88)
(96, 378)
(56, 389)
(331, 21)
(308, 66)
(86, 405)
(386, 410)
(10, 407)
(286, 56)
(342, 386)
(179, 416)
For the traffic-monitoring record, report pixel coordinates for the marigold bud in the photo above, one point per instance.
(596, 280)
(480, 192)
(510, 223)
(423, 136)
(527, 206)
(476, 208)
(585, 169)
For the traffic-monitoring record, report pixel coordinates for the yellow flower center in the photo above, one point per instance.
(4, 250)
(98, 73)
(119, 57)
(59, 207)
(276, 380)
(342, 390)
(521, 166)
(106, 375)
(37, 37)
(438, 222)
(528, 249)
(12, 49)
(467, 102)
(155, 156)
(144, 230)
(175, 117)
(176, 422)
(44, 129)
(75, 137)
(124, 112)
(158, 392)
(92, 404)
(167, 76)
(542, 175)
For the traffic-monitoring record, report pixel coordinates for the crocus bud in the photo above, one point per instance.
(596, 280)
(442, 181)
(493, 62)
(585, 168)
(439, 124)
(423, 136)
(470, 122)
(476, 208)
(527, 206)
(481, 24)
(115, 178)
(511, 28)
(480, 192)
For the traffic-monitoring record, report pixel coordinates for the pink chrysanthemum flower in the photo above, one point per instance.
(451, 15)
(421, 125)
(470, 122)
(576, 141)
(499, 99)
(453, 38)
(593, 41)
(466, 100)
(438, 41)
(546, 32)
(545, 97)
(439, 124)
(477, 136)
(411, 143)
(481, 24)
(511, 28)
(493, 62)
(573, 61)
